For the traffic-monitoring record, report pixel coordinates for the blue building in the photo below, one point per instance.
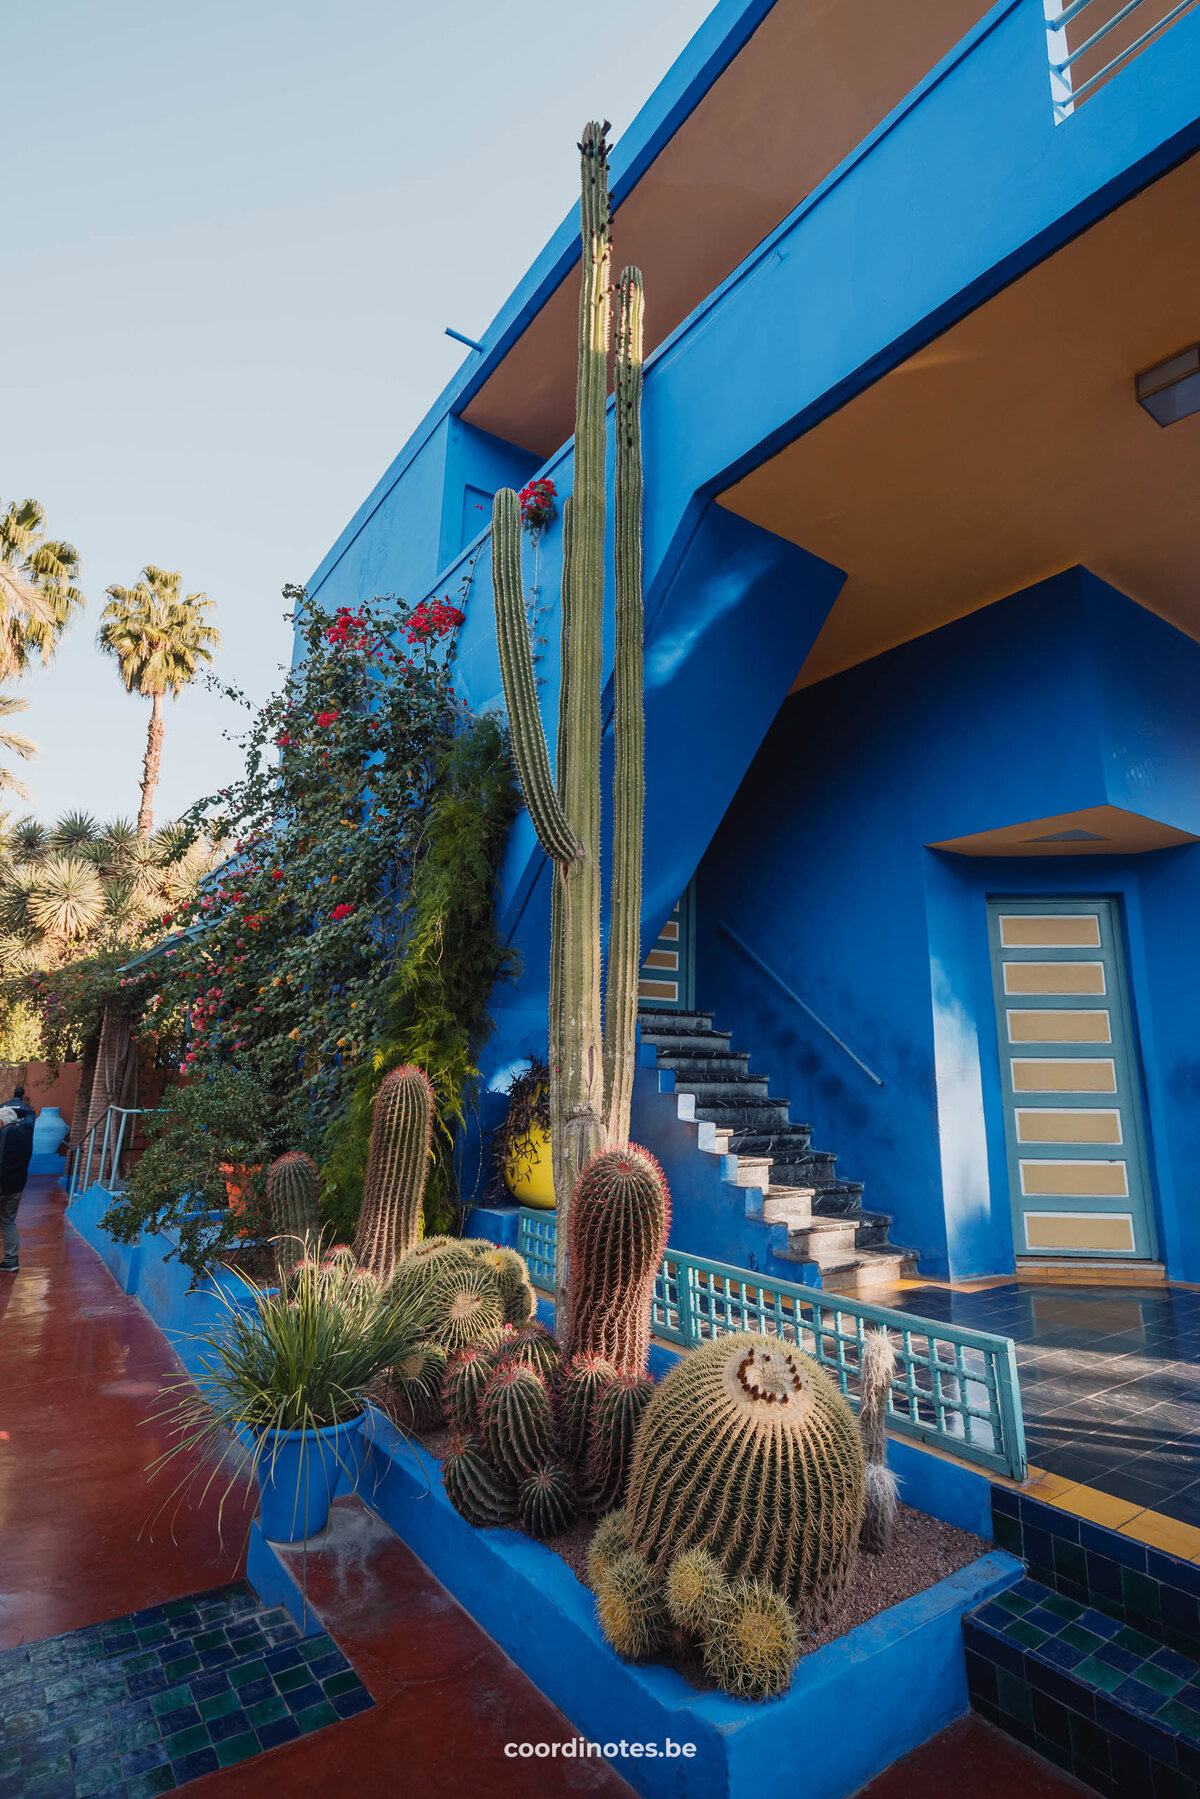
(923, 601)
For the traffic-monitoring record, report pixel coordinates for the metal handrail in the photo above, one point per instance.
(1070, 96)
(108, 1175)
(956, 1388)
(765, 967)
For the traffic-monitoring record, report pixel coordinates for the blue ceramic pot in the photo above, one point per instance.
(298, 1473)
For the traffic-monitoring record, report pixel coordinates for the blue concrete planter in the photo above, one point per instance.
(299, 1472)
(900, 1677)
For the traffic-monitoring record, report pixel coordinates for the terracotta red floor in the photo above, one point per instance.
(80, 1366)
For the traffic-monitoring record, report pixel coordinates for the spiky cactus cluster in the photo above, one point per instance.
(620, 1216)
(591, 1071)
(389, 1223)
(561, 1433)
(877, 1369)
(483, 1497)
(749, 1451)
(745, 1631)
(293, 1185)
(416, 1382)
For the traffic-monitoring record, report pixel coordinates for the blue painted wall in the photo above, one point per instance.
(1065, 696)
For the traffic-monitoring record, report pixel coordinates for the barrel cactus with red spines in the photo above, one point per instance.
(579, 1386)
(482, 1496)
(614, 1421)
(620, 1215)
(467, 1377)
(389, 1224)
(516, 1421)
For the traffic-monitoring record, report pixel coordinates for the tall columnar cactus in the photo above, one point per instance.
(389, 1224)
(292, 1187)
(591, 1071)
(620, 1215)
(748, 1450)
(877, 1369)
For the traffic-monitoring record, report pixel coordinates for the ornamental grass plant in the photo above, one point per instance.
(303, 1358)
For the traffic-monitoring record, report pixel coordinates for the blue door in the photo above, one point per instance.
(668, 973)
(1077, 1162)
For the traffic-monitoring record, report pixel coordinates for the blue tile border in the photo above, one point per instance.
(137, 1706)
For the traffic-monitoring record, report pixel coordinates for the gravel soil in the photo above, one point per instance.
(924, 1551)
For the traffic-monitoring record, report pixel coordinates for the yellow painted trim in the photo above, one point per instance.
(1099, 1508)
(1165, 1533)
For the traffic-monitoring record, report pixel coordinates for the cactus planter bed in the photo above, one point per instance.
(908, 1657)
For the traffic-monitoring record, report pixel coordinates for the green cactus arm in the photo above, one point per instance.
(520, 687)
(557, 1053)
(583, 1060)
(629, 720)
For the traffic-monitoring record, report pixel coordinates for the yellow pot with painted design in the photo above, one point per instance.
(528, 1173)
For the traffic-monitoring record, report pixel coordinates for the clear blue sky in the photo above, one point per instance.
(236, 229)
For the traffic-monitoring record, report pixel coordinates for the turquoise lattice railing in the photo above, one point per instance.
(955, 1388)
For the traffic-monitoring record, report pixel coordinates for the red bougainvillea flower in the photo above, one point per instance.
(325, 719)
(283, 739)
(340, 912)
(536, 500)
(433, 619)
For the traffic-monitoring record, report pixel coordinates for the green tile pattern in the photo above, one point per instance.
(138, 1706)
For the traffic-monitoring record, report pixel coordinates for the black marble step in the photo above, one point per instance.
(743, 1114)
(873, 1230)
(813, 1168)
(654, 1020)
(793, 1139)
(688, 1043)
(725, 1089)
(704, 1067)
(841, 1199)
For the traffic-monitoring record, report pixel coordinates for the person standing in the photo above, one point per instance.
(16, 1150)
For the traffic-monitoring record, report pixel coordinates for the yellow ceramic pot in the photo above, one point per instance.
(528, 1175)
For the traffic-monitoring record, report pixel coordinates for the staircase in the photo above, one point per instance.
(824, 1216)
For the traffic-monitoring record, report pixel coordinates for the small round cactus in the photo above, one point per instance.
(534, 1345)
(516, 1420)
(464, 1306)
(696, 1591)
(619, 1218)
(516, 1291)
(752, 1645)
(416, 1384)
(582, 1381)
(615, 1417)
(467, 1374)
(749, 1451)
(475, 1490)
(547, 1500)
(631, 1608)
(292, 1188)
(609, 1540)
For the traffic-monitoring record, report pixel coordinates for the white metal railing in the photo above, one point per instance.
(98, 1158)
(1093, 38)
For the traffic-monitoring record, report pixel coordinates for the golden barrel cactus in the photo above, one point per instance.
(749, 1451)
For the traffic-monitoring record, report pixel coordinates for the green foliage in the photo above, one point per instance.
(305, 1358)
(433, 1009)
(180, 1180)
(20, 1032)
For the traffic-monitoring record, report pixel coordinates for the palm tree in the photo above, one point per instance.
(15, 744)
(158, 641)
(38, 596)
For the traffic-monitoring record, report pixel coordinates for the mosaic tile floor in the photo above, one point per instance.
(141, 1705)
(1110, 1382)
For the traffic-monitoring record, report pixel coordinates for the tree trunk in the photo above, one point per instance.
(150, 769)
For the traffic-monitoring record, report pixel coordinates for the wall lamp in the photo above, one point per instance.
(1170, 391)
